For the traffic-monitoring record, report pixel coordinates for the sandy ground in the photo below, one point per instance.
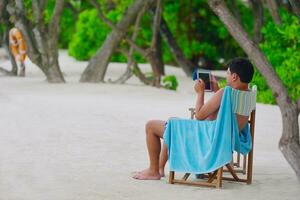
(82, 141)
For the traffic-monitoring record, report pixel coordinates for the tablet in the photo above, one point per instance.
(206, 77)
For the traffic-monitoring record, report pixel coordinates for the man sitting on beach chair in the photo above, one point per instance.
(239, 74)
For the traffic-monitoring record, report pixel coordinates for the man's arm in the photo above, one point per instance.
(214, 84)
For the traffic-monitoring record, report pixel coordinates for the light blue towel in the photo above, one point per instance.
(203, 146)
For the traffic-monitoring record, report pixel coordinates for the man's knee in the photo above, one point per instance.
(149, 126)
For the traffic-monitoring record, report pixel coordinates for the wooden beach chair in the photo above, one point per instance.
(233, 171)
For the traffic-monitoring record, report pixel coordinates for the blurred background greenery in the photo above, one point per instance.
(199, 33)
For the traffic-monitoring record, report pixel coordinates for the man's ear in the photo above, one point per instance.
(235, 77)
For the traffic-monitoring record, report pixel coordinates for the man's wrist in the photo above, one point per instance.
(200, 92)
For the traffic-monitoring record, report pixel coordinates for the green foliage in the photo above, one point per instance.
(198, 30)
(49, 11)
(149, 76)
(170, 82)
(2, 29)
(282, 48)
(87, 38)
(222, 83)
(195, 27)
(91, 32)
(67, 28)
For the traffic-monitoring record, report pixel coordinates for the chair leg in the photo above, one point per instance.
(232, 172)
(171, 177)
(238, 160)
(212, 176)
(219, 178)
(250, 155)
(244, 164)
(249, 168)
(186, 176)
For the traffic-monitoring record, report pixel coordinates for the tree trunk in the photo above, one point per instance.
(96, 69)
(296, 7)
(156, 61)
(53, 72)
(289, 142)
(41, 39)
(156, 44)
(258, 18)
(159, 55)
(130, 61)
(177, 53)
(273, 8)
(235, 10)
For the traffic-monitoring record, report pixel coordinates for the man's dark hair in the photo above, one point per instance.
(242, 67)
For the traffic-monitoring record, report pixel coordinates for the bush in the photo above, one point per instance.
(199, 32)
(90, 34)
(170, 82)
(282, 48)
(195, 27)
(67, 28)
(222, 83)
(2, 29)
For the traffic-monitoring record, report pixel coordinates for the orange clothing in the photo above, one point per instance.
(17, 44)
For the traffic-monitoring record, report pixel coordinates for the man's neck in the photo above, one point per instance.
(241, 86)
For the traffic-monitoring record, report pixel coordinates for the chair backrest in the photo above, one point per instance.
(243, 102)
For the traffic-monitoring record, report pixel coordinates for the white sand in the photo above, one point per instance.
(81, 141)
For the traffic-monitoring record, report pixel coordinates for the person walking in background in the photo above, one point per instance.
(18, 48)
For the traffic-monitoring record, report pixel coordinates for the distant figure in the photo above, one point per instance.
(18, 48)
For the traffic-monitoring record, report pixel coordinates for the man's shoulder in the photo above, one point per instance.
(219, 93)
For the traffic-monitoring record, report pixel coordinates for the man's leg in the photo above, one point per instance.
(154, 131)
(213, 116)
(163, 159)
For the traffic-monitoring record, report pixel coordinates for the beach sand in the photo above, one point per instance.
(81, 141)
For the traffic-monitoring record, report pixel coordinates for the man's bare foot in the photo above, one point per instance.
(162, 172)
(146, 174)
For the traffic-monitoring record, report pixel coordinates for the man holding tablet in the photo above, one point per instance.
(239, 74)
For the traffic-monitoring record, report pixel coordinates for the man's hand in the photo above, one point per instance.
(214, 84)
(199, 86)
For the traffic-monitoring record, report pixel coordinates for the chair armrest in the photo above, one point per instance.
(192, 110)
